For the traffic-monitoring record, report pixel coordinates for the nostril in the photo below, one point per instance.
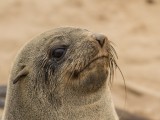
(100, 38)
(101, 42)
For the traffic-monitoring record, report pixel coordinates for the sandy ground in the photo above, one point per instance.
(133, 25)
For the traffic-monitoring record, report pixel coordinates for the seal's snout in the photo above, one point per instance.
(100, 38)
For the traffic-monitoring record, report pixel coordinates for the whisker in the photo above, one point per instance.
(113, 66)
(113, 52)
(124, 81)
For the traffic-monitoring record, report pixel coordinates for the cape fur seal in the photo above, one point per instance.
(62, 74)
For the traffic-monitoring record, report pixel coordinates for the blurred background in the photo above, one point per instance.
(133, 25)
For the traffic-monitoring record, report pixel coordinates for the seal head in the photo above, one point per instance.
(57, 68)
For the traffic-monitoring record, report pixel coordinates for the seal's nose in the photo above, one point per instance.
(100, 38)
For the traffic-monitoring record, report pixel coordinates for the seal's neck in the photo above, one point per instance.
(94, 106)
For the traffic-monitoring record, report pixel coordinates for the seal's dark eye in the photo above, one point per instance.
(58, 53)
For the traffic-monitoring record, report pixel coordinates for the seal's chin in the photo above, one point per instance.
(94, 76)
(94, 79)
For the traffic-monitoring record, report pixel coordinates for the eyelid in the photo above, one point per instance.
(60, 46)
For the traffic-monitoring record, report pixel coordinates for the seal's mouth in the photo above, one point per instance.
(77, 72)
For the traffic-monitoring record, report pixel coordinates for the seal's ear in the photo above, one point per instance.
(20, 75)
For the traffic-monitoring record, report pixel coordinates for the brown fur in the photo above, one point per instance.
(74, 88)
